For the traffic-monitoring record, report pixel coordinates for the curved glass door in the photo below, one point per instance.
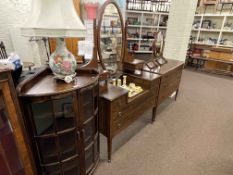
(55, 133)
(89, 111)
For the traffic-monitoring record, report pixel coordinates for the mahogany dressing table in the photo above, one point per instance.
(118, 106)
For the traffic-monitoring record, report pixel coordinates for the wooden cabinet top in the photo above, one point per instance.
(113, 92)
(44, 84)
(169, 66)
(147, 76)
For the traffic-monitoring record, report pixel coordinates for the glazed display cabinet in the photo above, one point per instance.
(62, 122)
(14, 154)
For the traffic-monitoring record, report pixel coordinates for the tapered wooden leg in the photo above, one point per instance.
(154, 114)
(109, 149)
(177, 92)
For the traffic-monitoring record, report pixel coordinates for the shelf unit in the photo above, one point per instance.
(148, 22)
(219, 34)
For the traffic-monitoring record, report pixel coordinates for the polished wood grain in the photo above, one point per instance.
(68, 142)
(44, 83)
(15, 119)
(217, 60)
(118, 111)
(100, 19)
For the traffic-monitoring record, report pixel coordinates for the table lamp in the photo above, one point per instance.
(56, 19)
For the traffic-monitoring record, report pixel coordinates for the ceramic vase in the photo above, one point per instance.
(61, 61)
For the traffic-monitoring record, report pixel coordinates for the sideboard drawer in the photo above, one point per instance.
(119, 103)
(166, 89)
(130, 113)
(173, 74)
(119, 123)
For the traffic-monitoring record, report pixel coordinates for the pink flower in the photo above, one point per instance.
(66, 65)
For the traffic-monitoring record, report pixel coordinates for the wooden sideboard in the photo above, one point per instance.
(171, 73)
(171, 76)
(118, 111)
(211, 58)
(14, 152)
(62, 122)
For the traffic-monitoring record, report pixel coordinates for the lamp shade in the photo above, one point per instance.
(53, 18)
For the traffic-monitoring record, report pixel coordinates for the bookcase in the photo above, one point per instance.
(213, 29)
(141, 26)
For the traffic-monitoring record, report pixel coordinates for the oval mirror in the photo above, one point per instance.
(110, 36)
(158, 47)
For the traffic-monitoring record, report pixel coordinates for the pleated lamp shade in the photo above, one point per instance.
(53, 18)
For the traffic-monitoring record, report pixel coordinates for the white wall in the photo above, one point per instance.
(12, 13)
(180, 22)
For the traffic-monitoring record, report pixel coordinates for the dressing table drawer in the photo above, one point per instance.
(120, 122)
(119, 103)
(131, 112)
(167, 90)
(171, 75)
(170, 83)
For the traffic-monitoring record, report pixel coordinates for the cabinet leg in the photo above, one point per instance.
(154, 114)
(109, 149)
(177, 92)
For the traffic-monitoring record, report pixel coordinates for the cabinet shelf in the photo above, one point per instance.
(156, 20)
(145, 12)
(136, 26)
(220, 21)
(210, 30)
(139, 39)
(141, 51)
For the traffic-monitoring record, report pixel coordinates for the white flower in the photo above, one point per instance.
(68, 79)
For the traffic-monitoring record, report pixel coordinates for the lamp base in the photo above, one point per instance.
(68, 79)
(62, 62)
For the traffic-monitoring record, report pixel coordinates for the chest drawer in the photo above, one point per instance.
(172, 75)
(119, 103)
(131, 112)
(167, 89)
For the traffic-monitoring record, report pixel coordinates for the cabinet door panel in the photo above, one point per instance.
(67, 143)
(48, 150)
(87, 104)
(71, 167)
(9, 155)
(89, 158)
(53, 116)
(90, 129)
(3, 165)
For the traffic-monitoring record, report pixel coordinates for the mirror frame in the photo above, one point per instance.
(100, 19)
(156, 56)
